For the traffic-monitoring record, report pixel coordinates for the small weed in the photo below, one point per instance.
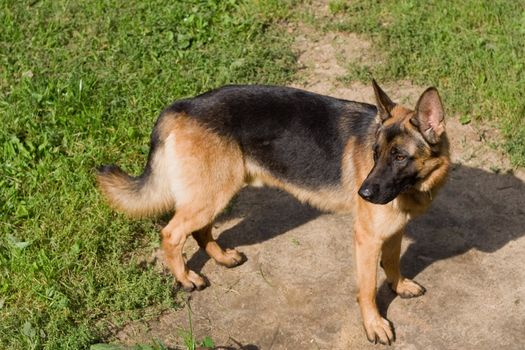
(207, 343)
(189, 339)
(337, 6)
(495, 169)
(465, 119)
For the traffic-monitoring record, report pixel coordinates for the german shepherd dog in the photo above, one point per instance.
(383, 163)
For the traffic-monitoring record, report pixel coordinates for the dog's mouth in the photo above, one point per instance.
(381, 200)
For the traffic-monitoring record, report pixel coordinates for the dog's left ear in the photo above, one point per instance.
(384, 103)
(430, 116)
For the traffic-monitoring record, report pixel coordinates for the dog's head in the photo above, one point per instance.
(410, 150)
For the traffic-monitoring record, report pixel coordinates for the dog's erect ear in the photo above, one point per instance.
(430, 116)
(384, 103)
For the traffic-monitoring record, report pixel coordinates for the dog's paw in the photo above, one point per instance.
(192, 281)
(407, 288)
(379, 330)
(231, 258)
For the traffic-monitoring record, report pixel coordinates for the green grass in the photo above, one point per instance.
(473, 51)
(81, 83)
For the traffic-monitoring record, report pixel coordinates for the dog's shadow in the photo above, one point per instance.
(476, 209)
(266, 213)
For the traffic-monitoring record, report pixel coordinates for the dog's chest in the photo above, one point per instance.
(390, 221)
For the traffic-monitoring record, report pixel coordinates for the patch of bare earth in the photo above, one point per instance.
(297, 289)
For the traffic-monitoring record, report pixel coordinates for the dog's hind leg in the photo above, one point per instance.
(194, 218)
(174, 235)
(228, 257)
(203, 170)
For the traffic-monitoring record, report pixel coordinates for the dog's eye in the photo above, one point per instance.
(400, 157)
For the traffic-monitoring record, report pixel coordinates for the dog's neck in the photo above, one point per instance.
(414, 202)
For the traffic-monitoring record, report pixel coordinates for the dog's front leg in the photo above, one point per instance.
(404, 287)
(367, 251)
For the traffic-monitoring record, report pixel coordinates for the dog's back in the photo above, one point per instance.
(297, 136)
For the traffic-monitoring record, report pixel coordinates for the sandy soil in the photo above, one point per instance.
(297, 288)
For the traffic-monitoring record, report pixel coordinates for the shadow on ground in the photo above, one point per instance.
(476, 210)
(276, 213)
(297, 288)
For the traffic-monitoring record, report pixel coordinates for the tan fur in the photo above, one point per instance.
(205, 171)
(203, 167)
(152, 199)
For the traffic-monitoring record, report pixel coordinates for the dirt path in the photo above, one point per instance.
(297, 289)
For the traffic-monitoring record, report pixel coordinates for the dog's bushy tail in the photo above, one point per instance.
(145, 195)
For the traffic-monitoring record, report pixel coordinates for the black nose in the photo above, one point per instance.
(365, 192)
(368, 191)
